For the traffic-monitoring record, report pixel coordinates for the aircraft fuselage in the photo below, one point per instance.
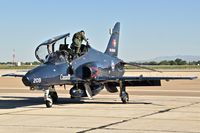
(89, 66)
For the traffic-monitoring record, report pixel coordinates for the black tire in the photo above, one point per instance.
(125, 98)
(48, 103)
(54, 96)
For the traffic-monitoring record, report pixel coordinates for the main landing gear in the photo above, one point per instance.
(50, 96)
(123, 94)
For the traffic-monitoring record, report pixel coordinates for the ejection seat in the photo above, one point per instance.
(66, 51)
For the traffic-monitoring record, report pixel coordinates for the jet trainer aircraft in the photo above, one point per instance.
(89, 73)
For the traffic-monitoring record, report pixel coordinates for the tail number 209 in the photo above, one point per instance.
(37, 80)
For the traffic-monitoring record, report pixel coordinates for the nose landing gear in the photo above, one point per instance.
(50, 96)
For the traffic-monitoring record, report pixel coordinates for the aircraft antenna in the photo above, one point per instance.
(13, 55)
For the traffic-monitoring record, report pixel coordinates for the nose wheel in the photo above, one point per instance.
(50, 97)
(123, 94)
(54, 96)
(49, 103)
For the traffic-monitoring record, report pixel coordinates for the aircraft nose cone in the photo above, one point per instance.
(26, 81)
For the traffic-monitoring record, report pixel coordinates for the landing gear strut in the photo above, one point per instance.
(123, 94)
(88, 90)
(50, 96)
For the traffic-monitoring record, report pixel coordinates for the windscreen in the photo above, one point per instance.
(42, 53)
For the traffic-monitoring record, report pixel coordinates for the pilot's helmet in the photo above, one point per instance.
(82, 31)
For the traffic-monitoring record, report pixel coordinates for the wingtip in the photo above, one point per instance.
(12, 75)
(195, 77)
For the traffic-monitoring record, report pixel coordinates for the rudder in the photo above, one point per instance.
(112, 47)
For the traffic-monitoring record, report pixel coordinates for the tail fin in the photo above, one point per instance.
(112, 47)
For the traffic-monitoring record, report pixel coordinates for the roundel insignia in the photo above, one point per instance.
(114, 43)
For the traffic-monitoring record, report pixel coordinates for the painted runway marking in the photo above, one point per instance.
(134, 118)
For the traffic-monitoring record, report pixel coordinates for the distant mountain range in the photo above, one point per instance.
(187, 58)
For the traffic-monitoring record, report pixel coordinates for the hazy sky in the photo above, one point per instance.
(149, 28)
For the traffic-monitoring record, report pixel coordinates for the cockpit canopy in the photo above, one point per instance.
(45, 52)
(55, 51)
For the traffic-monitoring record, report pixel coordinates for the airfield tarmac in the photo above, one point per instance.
(172, 108)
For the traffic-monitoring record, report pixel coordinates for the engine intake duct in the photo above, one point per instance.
(86, 72)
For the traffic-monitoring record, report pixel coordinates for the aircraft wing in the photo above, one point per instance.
(140, 80)
(12, 75)
(141, 77)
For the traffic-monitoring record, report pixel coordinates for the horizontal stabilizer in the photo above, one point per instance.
(138, 66)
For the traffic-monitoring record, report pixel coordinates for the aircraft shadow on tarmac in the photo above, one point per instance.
(11, 102)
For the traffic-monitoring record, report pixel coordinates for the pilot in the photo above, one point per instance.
(77, 41)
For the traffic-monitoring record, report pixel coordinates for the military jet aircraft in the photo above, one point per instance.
(88, 74)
